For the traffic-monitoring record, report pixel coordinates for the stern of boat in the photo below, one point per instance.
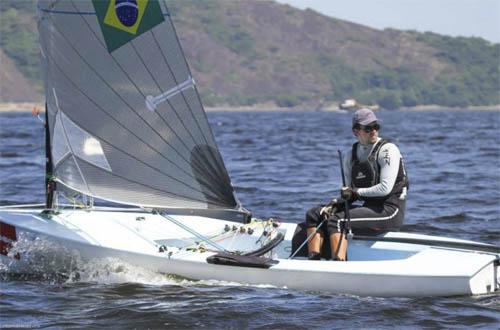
(487, 280)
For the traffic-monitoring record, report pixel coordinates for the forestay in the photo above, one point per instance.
(126, 121)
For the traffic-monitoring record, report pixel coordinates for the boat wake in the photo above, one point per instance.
(44, 260)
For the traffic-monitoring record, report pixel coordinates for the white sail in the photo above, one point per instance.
(126, 121)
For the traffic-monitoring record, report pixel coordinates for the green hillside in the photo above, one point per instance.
(19, 37)
(247, 52)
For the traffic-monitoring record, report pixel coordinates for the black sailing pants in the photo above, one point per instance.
(370, 218)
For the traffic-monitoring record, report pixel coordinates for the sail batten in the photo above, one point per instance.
(99, 74)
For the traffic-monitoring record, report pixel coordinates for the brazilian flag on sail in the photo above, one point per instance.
(123, 20)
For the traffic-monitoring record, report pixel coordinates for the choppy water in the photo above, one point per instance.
(280, 164)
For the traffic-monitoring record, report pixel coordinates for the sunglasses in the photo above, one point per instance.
(369, 128)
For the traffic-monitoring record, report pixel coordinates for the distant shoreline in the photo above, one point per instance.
(266, 107)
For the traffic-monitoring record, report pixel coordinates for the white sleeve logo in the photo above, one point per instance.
(387, 158)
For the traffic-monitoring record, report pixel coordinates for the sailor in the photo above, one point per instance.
(376, 176)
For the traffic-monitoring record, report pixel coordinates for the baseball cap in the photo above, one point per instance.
(363, 116)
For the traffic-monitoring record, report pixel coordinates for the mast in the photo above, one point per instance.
(50, 185)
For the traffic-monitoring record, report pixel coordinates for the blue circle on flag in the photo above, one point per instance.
(127, 11)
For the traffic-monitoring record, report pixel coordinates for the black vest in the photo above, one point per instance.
(367, 173)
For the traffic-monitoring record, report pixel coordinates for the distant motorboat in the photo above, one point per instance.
(352, 104)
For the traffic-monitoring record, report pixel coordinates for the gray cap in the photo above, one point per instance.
(363, 116)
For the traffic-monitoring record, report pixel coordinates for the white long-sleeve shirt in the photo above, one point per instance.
(388, 160)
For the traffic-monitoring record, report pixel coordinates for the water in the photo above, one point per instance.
(280, 164)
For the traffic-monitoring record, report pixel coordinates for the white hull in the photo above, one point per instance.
(373, 269)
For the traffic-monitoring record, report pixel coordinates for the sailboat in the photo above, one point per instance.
(125, 125)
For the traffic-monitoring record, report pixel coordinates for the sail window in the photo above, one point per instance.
(92, 147)
(84, 145)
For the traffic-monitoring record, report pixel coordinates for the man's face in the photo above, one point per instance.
(367, 134)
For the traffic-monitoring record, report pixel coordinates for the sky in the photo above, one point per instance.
(478, 18)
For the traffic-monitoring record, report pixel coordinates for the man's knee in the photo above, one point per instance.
(336, 224)
(313, 218)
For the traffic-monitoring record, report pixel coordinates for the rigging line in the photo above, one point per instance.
(126, 153)
(186, 198)
(215, 237)
(192, 231)
(120, 97)
(163, 156)
(196, 90)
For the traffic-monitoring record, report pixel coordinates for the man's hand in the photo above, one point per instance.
(349, 194)
(327, 210)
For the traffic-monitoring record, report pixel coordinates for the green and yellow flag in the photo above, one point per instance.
(123, 20)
